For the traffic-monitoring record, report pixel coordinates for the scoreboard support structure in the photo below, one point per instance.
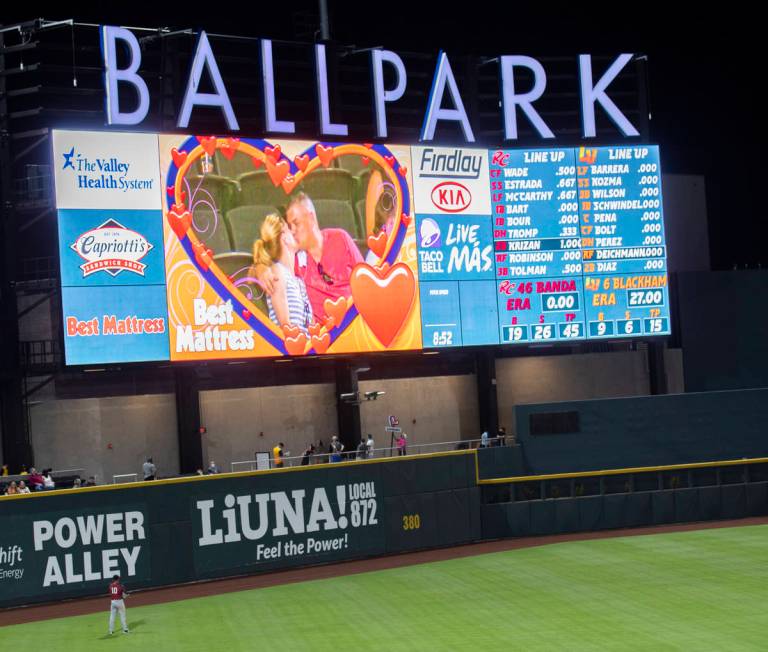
(657, 372)
(14, 428)
(487, 398)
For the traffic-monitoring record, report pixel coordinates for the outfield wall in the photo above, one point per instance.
(647, 431)
(67, 544)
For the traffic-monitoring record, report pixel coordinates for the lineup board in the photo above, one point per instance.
(572, 248)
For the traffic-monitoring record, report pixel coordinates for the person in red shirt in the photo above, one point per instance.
(325, 258)
(117, 594)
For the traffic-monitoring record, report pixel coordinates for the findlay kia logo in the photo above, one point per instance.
(455, 164)
(451, 197)
(111, 248)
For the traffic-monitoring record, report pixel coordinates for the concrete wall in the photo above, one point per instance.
(444, 408)
(242, 421)
(568, 378)
(69, 434)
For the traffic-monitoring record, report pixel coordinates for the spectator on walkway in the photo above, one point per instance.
(335, 449)
(308, 453)
(23, 488)
(149, 469)
(369, 446)
(77, 483)
(401, 442)
(13, 489)
(277, 454)
(23, 470)
(4, 470)
(484, 440)
(362, 450)
(212, 468)
(35, 480)
(501, 437)
(48, 482)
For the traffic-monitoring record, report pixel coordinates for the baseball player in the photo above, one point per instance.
(118, 594)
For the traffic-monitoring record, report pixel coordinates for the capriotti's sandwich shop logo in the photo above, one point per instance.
(111, 248)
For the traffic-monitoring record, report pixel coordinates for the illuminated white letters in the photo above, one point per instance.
(591, 94)
(444, 77)
(511, 100)
(271, 123)
(114, 75)
(382, 95)
(192, 97)
(327, 128)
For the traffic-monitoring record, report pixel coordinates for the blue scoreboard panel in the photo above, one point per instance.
(565, 244)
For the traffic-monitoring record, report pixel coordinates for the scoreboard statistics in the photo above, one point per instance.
(382, 247)
(571, 247)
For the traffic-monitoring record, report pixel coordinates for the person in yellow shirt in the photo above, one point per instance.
(277, 454)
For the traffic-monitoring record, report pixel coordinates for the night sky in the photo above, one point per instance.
(706, 74)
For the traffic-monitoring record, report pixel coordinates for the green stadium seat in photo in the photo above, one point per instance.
(257, 188)
(239, 164)
(352, 163)
(245, 223)
(236, 265)
(212, 229)
(335, 213)
(213, 189)
(329, 183)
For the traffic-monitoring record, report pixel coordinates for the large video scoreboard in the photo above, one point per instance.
(178, 247)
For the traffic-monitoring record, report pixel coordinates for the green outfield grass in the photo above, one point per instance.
(701, 590)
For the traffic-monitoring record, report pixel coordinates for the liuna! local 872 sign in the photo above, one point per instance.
(177, 247)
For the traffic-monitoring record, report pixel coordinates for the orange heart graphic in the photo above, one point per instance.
(402, 170)
(368, 145)
(277, 171)
(390, 160)
(383, 299)
(246, 314)
(172, 193)
(290, 331)
(203, 255)
(178, 157)
(365, 160)
(329, 322)
(256, 162)
(301, 162)
(325, 154)
(273, 153)
(289, 183)
(180, 219)
(314, 329)
(229, 148)
(378, 243)
(406, 219)
(336, 309)
(208, 143)
(296, 345)
(321, 342)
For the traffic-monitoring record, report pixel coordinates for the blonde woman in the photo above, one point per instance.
(276, 249)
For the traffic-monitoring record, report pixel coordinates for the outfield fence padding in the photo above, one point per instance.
(68, 544)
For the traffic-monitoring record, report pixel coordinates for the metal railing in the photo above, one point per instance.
(123, 478)
(377, 453)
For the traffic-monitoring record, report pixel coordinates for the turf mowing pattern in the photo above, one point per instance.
(698, 590)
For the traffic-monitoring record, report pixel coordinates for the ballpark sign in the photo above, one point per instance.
(444, 102)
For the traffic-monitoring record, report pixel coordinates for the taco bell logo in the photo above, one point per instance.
(429, 234)
(111, 248)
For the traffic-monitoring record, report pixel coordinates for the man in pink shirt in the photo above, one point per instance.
(325, 259)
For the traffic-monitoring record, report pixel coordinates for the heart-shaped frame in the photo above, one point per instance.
(287, 174)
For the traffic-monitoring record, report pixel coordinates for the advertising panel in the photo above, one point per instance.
(207, 247)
